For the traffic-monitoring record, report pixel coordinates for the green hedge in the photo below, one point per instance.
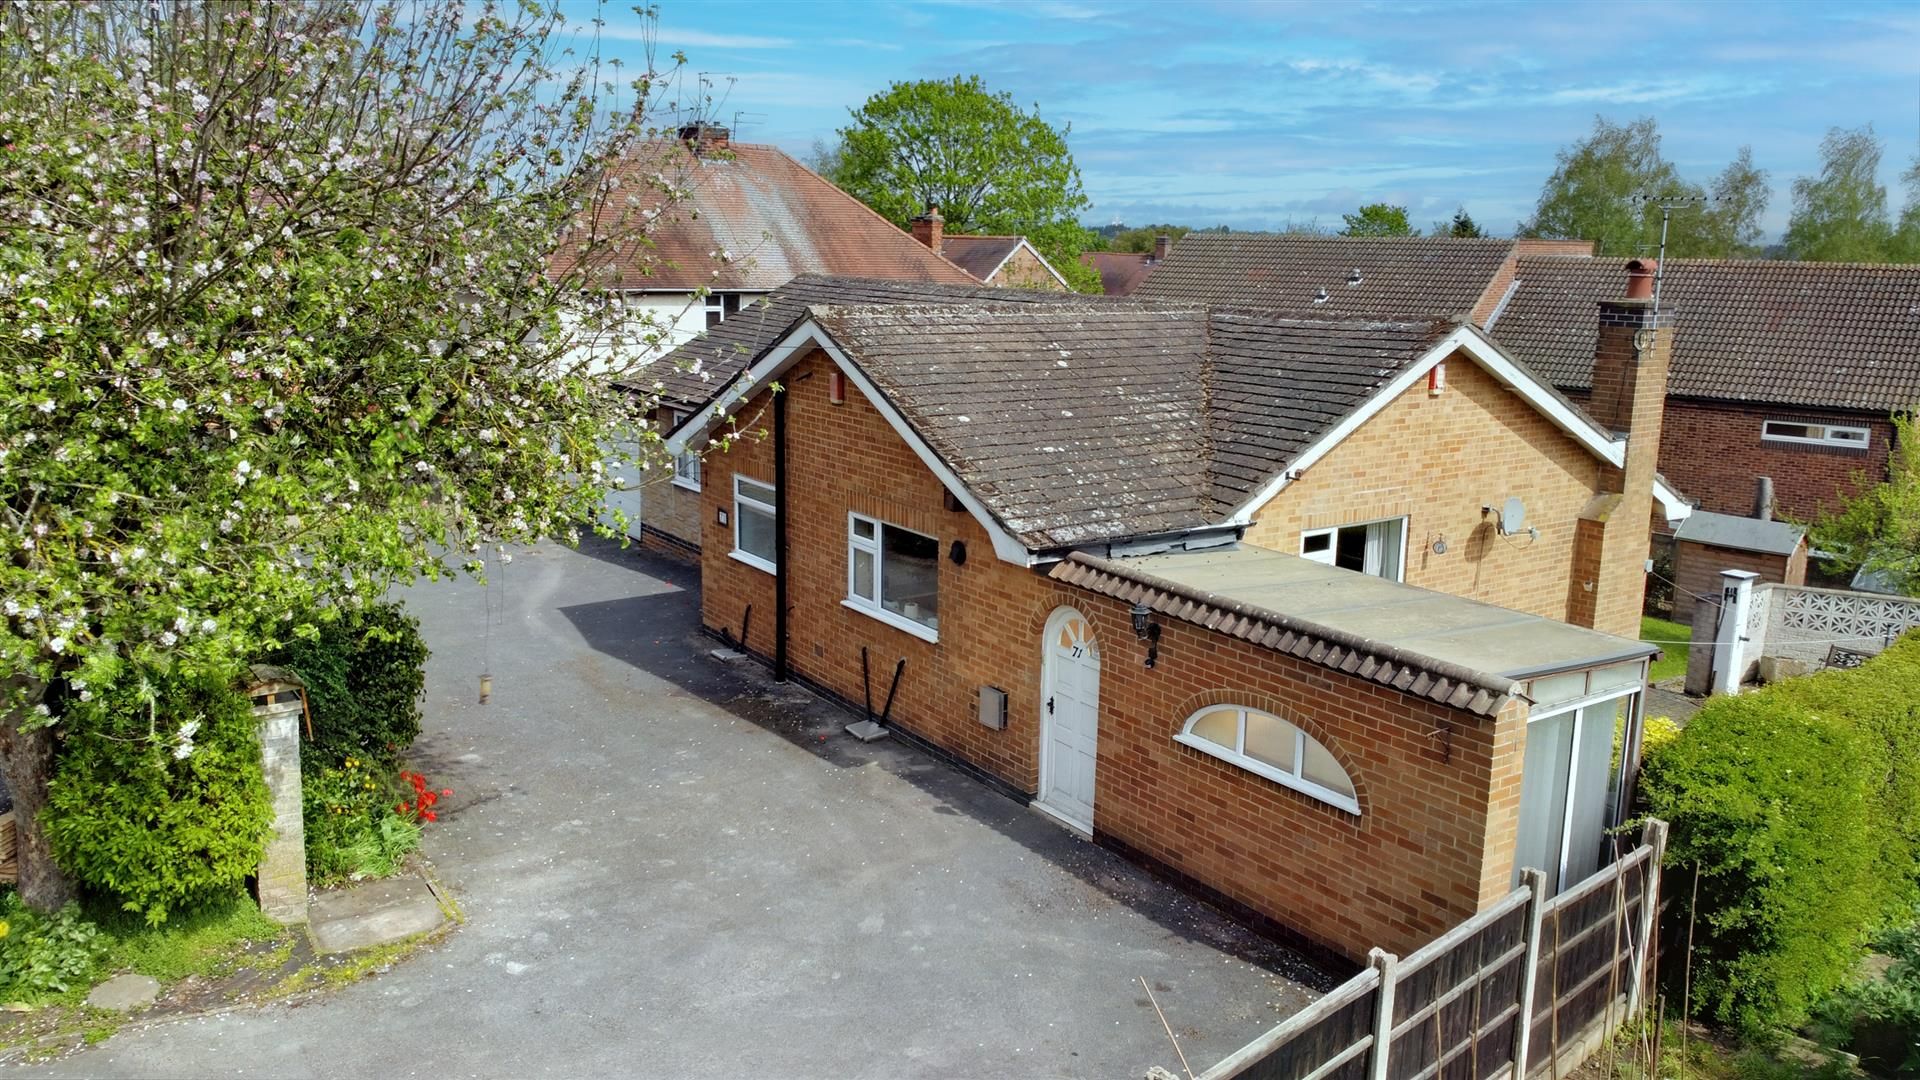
(1798, 805)
(364, 672)
(157, 800)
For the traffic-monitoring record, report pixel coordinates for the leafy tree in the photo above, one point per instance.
(1608, 188)
(1905, 246)
(275, 331)
(1377, 219)
(990, 166)
(1878, 530)
(1141, 240)
(1462, 226)
(1841, 215)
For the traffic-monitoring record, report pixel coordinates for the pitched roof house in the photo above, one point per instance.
(1323, 617)
(1444, 277)
(1004, 261)
(1121, 272)
(1783, 370)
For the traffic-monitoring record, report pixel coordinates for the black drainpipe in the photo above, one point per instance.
(780, 534)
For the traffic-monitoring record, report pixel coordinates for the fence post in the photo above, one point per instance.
(1535, 882)
(1654, 835)
(1386, 964)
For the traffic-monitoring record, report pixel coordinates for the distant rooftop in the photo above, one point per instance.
(1449, 649)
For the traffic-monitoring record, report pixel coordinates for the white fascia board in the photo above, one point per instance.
(1483, 352)
(1676, 508)
(776, 360)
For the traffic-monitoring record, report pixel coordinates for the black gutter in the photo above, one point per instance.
(780, 535)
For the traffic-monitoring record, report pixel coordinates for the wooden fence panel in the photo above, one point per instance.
(1329, 1040)
(1456, 1007)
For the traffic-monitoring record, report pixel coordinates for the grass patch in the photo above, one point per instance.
(1672, 660)
(1704, 1054)
(207, 941)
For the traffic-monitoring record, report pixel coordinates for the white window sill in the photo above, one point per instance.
(924, 633)
(754, 561)
(686, 485)
(1829, 444)
(1260, 768)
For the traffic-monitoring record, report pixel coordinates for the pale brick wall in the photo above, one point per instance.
(1415, 862)
(1437, 460)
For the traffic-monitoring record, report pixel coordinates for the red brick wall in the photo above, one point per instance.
(1437, 461)
(1023, 270)
(1696, 571)
(1434, 841)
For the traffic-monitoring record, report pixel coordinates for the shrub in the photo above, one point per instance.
(157, 799)
(364, 671)
(355, 827)
(43, 955)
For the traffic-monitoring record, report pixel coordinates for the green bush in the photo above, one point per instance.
(1797, 804)
(353, 829)
(364, 671)
(157, 800)
(44, 955)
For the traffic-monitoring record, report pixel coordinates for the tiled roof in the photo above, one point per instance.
(1833, 335)
(697, 370)
(1071, 423)
(1121, 272)
(1279, 384)
(979, 255)
(773, 217)
(1428, 276)
(1098, 420)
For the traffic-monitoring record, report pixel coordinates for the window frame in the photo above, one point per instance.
(686, 463)
(1295, 780)
(1333, 543)
(770, 507)
(876, 547)
(1864, 442)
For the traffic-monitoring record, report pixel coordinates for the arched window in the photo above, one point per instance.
(1263, 743)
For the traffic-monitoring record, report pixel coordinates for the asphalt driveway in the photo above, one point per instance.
(671, 866)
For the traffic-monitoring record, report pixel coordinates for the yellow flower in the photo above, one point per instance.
(5, 929)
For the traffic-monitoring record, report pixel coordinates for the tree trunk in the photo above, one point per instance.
(26, 757)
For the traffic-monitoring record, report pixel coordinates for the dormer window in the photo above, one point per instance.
(720, 305)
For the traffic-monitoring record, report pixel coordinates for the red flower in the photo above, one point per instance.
(446, 791)
(429, 815)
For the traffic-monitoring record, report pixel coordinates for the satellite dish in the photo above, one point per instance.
(1513, 517)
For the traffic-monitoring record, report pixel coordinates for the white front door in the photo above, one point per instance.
(1069, 719)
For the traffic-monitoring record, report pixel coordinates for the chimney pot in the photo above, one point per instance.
(1640, 278)
(1162, 247)
(929, 228)
(705, 138)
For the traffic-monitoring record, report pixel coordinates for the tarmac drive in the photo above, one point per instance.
(673, 867)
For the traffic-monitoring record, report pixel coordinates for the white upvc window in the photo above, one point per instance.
(1268, 746)
(720, 305)
(1812, 434)
(686, 463)
(893, 574)
(754, 524)
(1371, 547)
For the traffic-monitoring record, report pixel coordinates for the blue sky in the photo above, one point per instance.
(1258, 114)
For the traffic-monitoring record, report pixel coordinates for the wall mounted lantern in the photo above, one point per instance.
(1148, 631)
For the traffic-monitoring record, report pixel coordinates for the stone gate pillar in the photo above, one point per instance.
(279, 702)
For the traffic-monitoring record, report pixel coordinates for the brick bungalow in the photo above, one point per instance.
(1158, 570)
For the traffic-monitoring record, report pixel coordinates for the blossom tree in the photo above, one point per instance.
(292, 306)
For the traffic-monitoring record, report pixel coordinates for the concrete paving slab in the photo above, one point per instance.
(373, 913)
(125, 993)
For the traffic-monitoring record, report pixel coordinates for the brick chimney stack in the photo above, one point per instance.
(1630, 366)
(1162, 247)
(929, 228)
(704, 139)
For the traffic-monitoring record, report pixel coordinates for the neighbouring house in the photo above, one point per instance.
(751, 220)
(1780, 369)
(1121, 272)
(1330, 619)
(1001, 261)
(1437, 276)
